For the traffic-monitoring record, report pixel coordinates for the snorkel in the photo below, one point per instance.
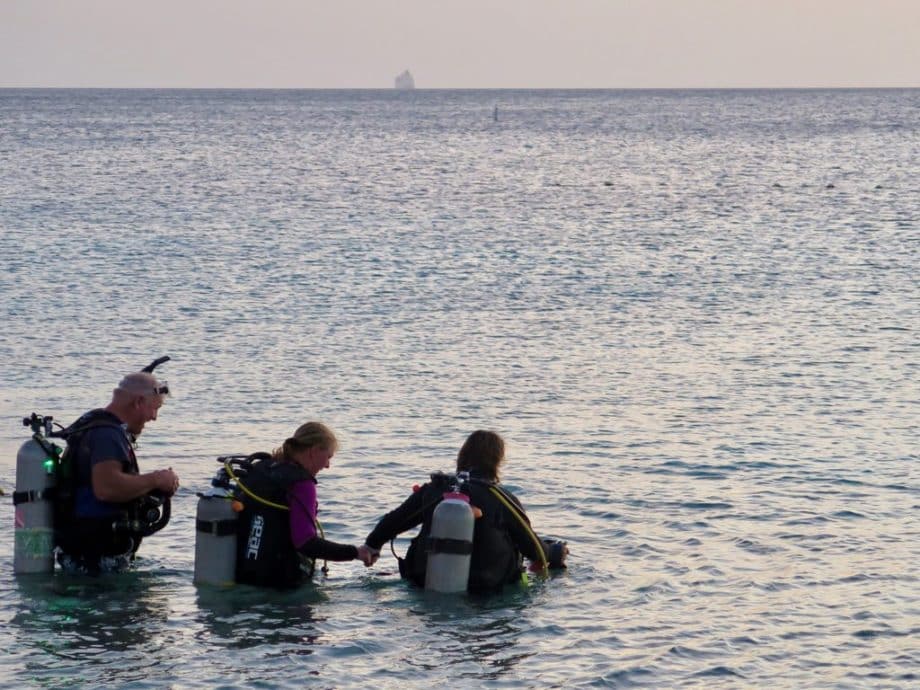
(155, 363)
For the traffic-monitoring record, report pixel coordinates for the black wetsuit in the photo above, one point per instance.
(499, 538)
(266, 556)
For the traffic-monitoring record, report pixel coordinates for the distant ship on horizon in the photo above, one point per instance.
(404, 82)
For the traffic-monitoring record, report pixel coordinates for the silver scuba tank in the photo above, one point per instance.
(215, 539)
(450, 544)
(33, 549)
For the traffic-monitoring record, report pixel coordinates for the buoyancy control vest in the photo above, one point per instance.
(265, 555)
(121, 530)
(495, 559)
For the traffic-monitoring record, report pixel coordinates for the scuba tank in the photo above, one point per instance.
(36, 462)
(215, 539)
(450, 544)
(215, 532)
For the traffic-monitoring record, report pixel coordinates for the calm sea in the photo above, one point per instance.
(692, 314)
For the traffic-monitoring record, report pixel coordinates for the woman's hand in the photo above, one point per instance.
(368, 555)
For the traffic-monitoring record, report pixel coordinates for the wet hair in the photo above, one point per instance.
(483, 452)
(307, 435)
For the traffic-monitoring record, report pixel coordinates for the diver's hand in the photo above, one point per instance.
(368, 555)
(555, 552)
(564, 551)
(166, 481)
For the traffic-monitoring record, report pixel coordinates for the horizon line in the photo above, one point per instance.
(464, 88)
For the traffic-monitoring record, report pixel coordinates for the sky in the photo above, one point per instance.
(460, 43)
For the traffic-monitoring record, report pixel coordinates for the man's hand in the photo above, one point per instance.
(166, 481)
(368, 555)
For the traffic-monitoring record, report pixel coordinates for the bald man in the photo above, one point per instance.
(94, 532)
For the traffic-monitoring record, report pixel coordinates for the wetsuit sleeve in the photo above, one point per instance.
(410, 514)
(302, 502)
(317, 547)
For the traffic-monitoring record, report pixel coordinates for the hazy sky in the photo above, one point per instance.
(460, 43)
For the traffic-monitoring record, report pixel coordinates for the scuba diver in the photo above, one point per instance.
(498, 535)
(101, 513)
(278, 537)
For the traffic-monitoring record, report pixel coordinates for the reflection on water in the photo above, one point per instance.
(66, 626)
(469, 637)
(85, 631)
(248, 617)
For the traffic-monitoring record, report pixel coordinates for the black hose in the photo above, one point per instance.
(165, 514)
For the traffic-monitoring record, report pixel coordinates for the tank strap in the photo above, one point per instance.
(217, 528)
(443, 545)
(33, 496)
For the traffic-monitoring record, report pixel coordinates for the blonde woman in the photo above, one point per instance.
(280, 538)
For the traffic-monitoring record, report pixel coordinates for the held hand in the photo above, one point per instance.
(368, 555)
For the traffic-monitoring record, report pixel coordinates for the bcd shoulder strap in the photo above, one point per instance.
(89, 420)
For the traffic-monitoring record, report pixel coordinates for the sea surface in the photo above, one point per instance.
(693, 315)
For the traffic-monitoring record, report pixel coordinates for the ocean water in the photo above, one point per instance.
(693, 315)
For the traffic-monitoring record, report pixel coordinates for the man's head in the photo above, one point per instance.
(137, 399)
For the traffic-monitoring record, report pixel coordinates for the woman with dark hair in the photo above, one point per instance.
(502, 535)
(279, 536)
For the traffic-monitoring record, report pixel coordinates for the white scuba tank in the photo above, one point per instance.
(215, 539)
(450, 545)
(33, 549)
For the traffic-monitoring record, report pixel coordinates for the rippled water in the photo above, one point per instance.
(693, 315)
